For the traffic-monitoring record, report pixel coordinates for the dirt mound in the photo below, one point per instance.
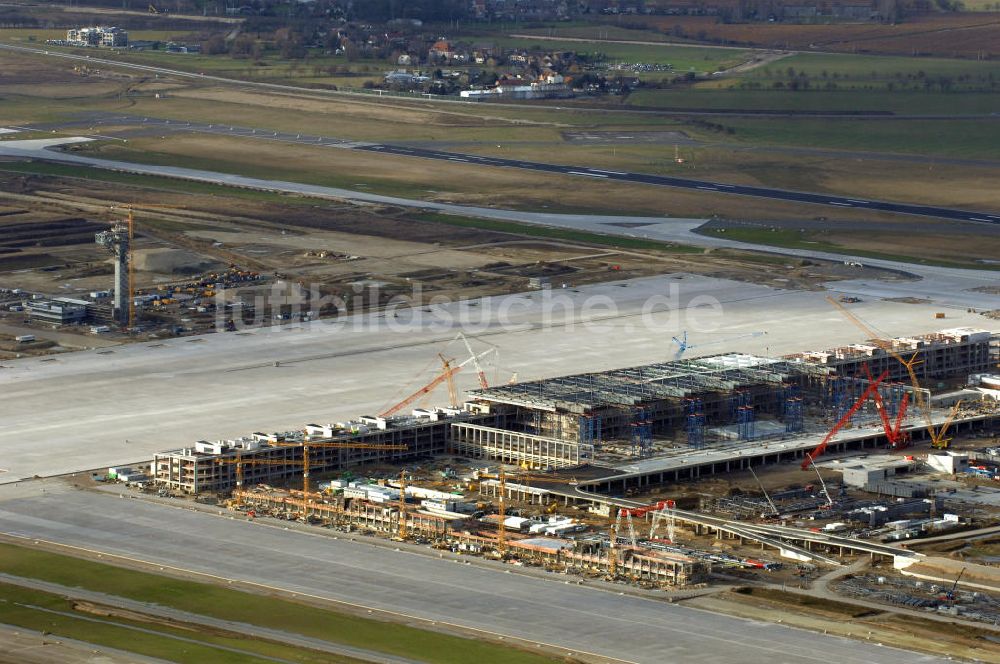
(173, 261)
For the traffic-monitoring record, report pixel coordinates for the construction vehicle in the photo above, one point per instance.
(949, 596)
(939, 440)
(845, 418)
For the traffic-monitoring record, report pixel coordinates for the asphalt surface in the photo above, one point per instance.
(565, 616)
(575, 171)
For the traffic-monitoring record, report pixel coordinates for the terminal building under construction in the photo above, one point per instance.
(632, 420)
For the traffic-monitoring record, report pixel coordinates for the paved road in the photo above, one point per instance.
(567, 616)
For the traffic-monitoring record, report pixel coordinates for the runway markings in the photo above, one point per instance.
(592, 175)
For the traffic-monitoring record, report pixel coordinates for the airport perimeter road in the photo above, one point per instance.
(578, 619)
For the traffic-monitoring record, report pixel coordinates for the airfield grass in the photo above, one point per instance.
(952, 138)
(846, 101)
(793, 239)
(51, 614)
(450, 182)
(269, 612)
(879, 69)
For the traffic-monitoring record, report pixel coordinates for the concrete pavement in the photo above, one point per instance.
(567, 616)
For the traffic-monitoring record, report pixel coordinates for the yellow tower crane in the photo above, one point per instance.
(130, 223)
(304, 462)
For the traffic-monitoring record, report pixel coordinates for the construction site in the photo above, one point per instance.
(658, 475)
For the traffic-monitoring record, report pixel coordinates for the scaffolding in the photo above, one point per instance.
(695, 409)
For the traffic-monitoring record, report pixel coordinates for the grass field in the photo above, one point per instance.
(942, 34)
(952, 138)
(793, 239)
(50, 614)
(866, 69)
(906, 102)
(226, 604)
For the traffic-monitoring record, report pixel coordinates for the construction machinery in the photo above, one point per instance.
(501, 477)
(665, 511)
(937, 435)
(845, 418)
(307, 446)
(950, 594)
(448, 372)
(894, 433)
(239, 462)
(402, 533)
(304, 462)
(483, 383)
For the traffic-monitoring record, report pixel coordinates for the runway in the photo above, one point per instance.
(570, 617)
(224, 129)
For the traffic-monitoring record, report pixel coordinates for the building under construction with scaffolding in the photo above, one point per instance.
(637, 411)
(609, 419)
(724, 396)
(217, 466)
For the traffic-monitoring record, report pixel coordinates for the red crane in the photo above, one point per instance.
(898, 439)
(872, 388)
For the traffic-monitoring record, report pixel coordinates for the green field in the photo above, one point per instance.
(50, 614)
(951, 138)
(819, 101)
(792, 239)
(224, 603)
(880, 68)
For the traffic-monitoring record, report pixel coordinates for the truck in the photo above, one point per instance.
(24, 338)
